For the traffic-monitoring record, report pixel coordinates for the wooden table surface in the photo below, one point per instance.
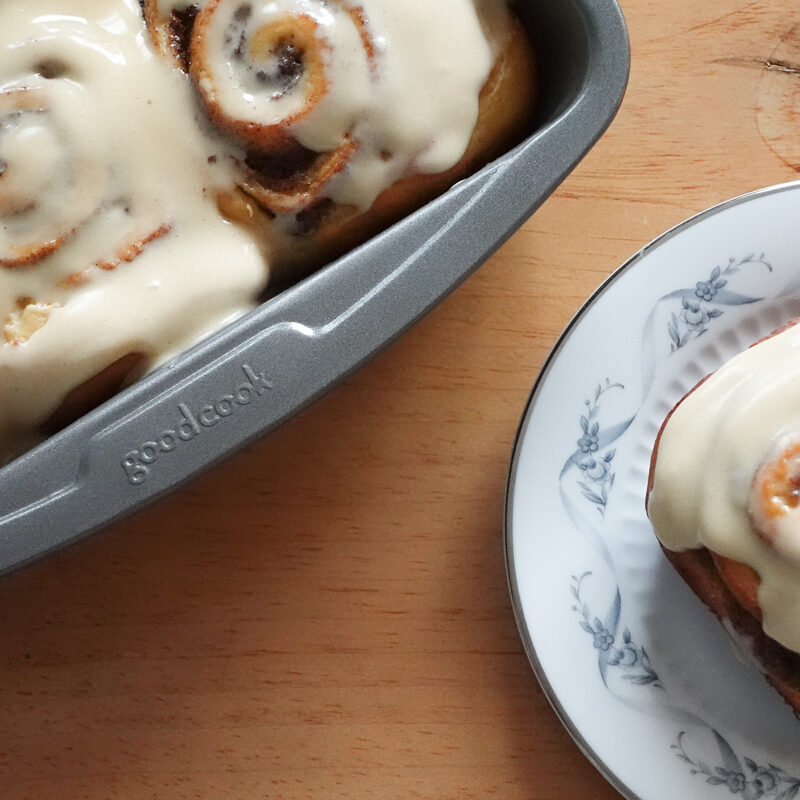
(326, 615)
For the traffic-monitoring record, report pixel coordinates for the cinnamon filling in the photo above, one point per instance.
(287, 70)
(51, 68)
(181, 25)
(277, 167)
(776, 487)
(310, 219)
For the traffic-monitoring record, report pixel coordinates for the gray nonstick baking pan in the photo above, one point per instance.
(247, 379)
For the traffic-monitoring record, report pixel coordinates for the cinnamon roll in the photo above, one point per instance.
(724, 500)
(345, 123)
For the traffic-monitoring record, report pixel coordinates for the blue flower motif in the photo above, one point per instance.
(627, 655)
(629, 658)
(702, 304)
(603, 639)
(764, 781)
(597, 476)
(736, 782)
(694, 316)
(705, 290)
(595, 470)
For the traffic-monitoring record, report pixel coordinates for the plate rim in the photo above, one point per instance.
(523, 628)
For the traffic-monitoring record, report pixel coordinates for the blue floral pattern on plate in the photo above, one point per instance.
(700, 306)
(595, 454)
(629, 657)
(752, 780)
(598, 478)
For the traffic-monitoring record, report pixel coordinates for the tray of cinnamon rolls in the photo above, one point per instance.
(212, 211)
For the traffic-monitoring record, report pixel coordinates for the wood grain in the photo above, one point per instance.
(326, 615)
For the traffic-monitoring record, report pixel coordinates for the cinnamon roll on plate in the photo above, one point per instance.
(724, 500)
(166, 165)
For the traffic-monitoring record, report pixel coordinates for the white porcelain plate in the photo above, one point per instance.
(645, 678)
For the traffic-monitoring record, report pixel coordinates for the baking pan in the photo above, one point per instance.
(245, 380)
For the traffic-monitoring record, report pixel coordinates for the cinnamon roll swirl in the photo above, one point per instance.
(272, 74)
(49, 181)
(170, 26)
(724, 500)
